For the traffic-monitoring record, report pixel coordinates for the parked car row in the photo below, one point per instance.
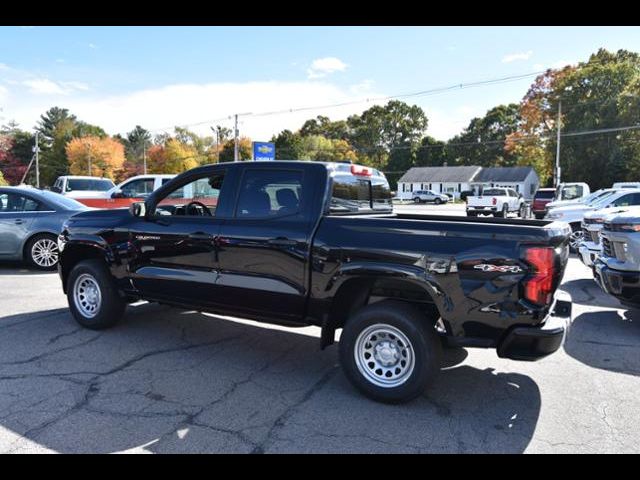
(605, 232)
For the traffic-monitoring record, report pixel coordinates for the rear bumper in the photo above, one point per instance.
(623, 285)
(492, 209)
(532, 343)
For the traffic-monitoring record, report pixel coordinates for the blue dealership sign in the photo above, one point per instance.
(264, 151)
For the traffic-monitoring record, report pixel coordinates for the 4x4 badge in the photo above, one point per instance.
(486, 267)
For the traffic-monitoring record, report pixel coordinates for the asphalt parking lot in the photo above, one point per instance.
(166, 380)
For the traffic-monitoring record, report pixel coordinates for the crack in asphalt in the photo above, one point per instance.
(282, 419)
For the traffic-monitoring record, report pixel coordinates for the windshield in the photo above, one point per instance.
(98, 184)
(545, 194)
(602, 200)
(494, 191)
(64, 202)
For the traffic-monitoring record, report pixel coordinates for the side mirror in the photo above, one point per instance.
(56, 189)
(138, 209)
(117, 194)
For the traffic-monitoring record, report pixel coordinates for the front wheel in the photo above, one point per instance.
(437, 201)
(390, 351)
(93, 297)
(522, 211)
(577, 235)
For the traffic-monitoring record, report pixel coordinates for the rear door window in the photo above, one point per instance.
(269, 193)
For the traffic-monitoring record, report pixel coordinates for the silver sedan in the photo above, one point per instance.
(30, 221)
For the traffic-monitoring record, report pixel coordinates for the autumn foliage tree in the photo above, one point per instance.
(105, 155)
(172, 157)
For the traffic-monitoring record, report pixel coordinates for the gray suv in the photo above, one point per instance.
(424, 196)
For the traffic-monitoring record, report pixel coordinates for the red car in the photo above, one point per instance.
(540, 200)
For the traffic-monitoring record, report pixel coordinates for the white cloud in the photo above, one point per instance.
(321, 67)
(512, 57)
(204, 104)
(93, 45)
(446, 124)
(44, 86)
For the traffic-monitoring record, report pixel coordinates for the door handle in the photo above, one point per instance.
(19, 221)
(200, 236)
(282, 241)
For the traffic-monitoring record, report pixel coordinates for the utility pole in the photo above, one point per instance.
(88, 156)
(144, 155)
(235, 140)
(557, 169)
(37, 162)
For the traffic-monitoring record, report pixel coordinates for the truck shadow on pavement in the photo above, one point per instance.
(606, 339)
(166, 380)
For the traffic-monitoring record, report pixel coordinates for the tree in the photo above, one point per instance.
(321, 125)
(172, 157)
(244, 151)
(56, 128)
(431, 153)
(483, 141)
(15, 155)
(3, 182)
(598, 94)
(387, 136)
(288, 145)
(105, 156)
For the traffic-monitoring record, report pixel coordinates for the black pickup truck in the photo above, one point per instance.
(311, 243)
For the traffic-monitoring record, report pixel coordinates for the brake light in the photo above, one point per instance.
(358, 170)
(494, 200)
(539, 288)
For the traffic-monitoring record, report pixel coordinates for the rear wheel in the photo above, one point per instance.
(42, 252)
(93, 297)
(416, 200)
(471, 214)
(390, 351)
(504, 212)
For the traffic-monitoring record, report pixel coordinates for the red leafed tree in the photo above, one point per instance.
(11, 167)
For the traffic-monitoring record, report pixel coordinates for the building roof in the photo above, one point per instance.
(503, 174)
(440, 174)
(466, 174)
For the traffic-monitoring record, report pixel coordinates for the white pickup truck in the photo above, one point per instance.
(496, 201)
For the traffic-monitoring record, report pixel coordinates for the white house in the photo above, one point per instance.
(454, 180)
(438, 179)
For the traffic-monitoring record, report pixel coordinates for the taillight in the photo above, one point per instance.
(539, 287)
(494, 200)
(358, 170)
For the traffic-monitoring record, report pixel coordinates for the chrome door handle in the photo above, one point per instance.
(19, 221)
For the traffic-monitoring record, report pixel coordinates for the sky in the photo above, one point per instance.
(160, 77)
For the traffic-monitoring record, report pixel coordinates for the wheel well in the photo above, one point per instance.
(75, 254)
(359, 292)
(31, 237)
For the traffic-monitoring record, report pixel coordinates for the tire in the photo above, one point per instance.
(576, 237)
(107, 304)
(472, 214)
(437, 201)
(504, 212)
(402, 325)
(539, 216)
(417, 200)
(522, 211)
(41, 252)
